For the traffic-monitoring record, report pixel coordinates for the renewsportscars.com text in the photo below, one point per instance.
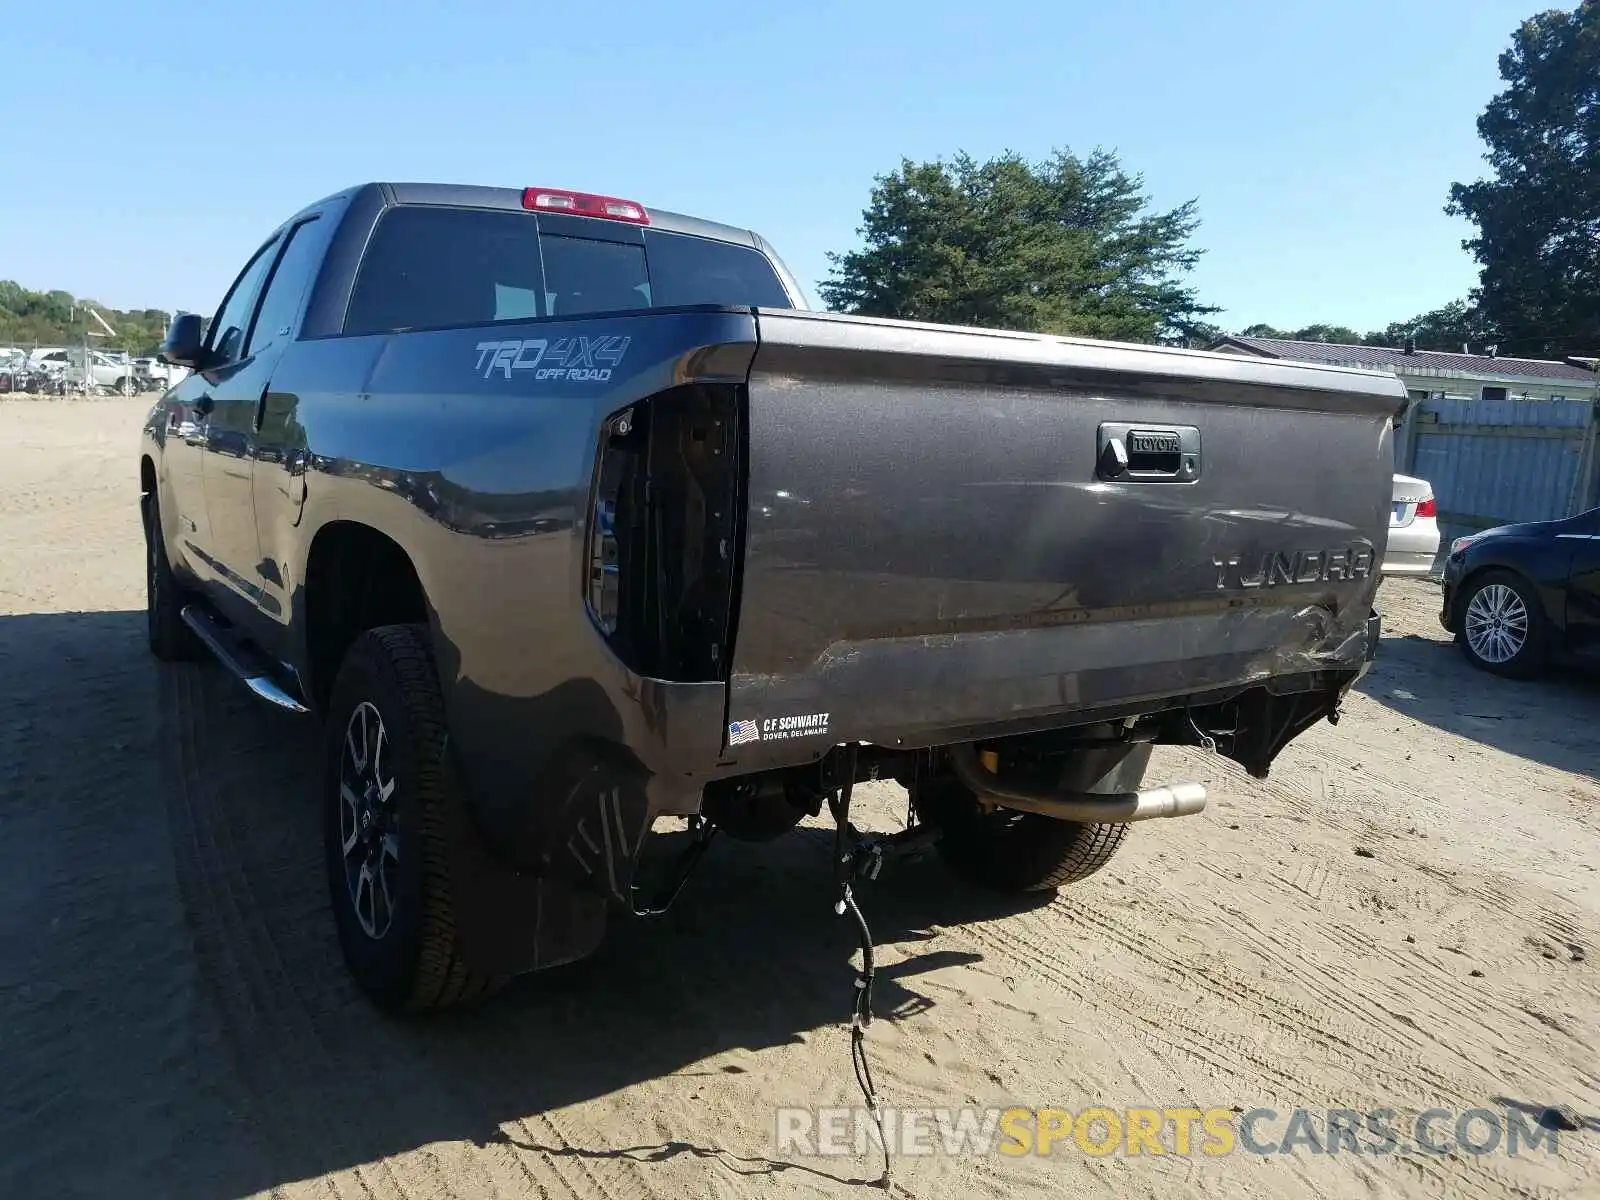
(1213, 1132)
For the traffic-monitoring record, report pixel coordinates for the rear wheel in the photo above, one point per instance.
(1010, 851)
(1502, 627)
(389, 803)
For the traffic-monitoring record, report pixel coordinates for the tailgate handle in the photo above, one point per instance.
(1134, 453)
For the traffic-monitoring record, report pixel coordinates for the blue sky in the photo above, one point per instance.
(148, 148)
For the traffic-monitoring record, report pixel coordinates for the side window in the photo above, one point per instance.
(287, 287)
(696, 270)
(226, 338)
(585, 275)
(428, 267)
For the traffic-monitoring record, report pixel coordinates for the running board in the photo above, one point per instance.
(239, 659)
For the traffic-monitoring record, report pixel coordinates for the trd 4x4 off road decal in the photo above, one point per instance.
(574, 359)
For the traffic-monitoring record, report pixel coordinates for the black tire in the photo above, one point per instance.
(170, 639)
(1529, 658)
(1008, 851)
(414, 961)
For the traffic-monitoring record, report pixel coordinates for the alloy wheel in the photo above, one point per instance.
(368, 821)
(1497, 623)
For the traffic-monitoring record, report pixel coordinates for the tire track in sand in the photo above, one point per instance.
(1293, 1049)
(274, 1046)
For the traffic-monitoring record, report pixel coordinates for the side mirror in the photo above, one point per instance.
(185, 341)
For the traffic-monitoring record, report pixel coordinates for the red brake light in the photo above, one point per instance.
(1428, 508)
(585, 204)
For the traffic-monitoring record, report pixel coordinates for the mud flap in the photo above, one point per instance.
(572, 862)
(594, 814)
(510, 921)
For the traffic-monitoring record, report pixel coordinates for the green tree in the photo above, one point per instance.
(1199, 335)
(1338, 334)
(1065, 246)
(1538, 218)
(1341, 334)
(1455, 325)
(29, 318)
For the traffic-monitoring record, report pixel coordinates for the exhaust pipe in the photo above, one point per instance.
(1093, 808)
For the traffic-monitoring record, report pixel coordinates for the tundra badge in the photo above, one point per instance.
(1295, 567)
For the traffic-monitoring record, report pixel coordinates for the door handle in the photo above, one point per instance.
(1128, 453)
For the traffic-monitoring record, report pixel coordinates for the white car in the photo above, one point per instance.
(1413, 529)
(153, 375)
(106, 369)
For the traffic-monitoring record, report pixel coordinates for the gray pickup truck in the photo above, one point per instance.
(564, 516)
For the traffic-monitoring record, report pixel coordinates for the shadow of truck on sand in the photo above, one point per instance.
(1554, 719)
(177, 1018)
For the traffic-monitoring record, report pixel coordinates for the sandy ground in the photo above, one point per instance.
(1404, 917)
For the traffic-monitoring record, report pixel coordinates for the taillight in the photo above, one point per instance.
(1428, 508)
(585, 204)
(663, 544)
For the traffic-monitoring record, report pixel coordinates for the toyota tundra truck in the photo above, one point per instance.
(564, 515)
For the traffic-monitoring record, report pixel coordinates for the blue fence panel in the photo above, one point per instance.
(1497, 476)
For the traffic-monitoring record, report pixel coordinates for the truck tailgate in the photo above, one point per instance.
(956, 531)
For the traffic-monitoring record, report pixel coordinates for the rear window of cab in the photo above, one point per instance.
(430, 267)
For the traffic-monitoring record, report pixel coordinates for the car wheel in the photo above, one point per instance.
(1502, 627)
(389, 795)
(1008, 851)
(170, 639)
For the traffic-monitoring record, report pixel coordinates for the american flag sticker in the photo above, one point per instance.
(740, 732)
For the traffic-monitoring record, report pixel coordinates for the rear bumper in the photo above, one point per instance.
(1412, 549)
(1413, 564)
(911, 693)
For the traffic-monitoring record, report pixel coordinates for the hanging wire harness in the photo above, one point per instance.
(857, 856)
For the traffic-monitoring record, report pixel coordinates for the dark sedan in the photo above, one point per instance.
(1519, 597)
